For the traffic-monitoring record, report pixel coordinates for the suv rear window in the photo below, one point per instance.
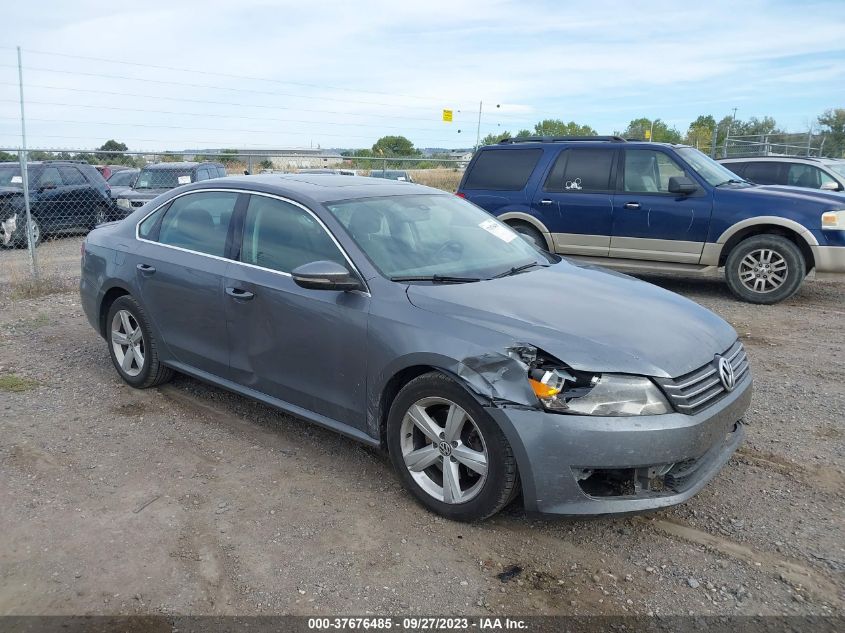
(503, 170)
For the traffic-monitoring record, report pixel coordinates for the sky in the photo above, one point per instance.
(271, 74)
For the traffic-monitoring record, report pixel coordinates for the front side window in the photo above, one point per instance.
(427, 235)
(282, 236)
(500, 170)
(122, 178)
(582, 171)
(801, 175)
(199, 222)
(649, 171)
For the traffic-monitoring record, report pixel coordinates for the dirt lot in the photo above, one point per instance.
(189, 500)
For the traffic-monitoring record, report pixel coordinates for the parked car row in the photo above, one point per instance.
(794, 171)
(655, 207)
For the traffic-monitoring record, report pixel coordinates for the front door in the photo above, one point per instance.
(180, 268)
(305, 347)
(651, 223)
(578, 197)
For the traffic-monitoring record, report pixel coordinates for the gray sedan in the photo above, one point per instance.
(409, 319)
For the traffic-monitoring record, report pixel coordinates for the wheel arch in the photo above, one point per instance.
(109, 297)
(515, 217)
(772, 225)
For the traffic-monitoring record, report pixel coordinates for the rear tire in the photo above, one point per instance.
(531, 234)
(132, 347)
(482, 475)
(765, 269)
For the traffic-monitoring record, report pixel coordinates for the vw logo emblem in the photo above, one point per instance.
(726, 373)
(445, 449)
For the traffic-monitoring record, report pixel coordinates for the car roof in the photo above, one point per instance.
(599, 141)
(319, 187)
(181, 165)
(774, 159)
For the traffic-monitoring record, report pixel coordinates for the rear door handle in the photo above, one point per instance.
(545, 202)
(146, 269)
(632, 205)
(240, 293)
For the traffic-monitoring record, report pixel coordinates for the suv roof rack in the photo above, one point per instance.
(775, 156)
(65, 160)
(560, 139)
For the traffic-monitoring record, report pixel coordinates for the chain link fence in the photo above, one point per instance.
(50, 199)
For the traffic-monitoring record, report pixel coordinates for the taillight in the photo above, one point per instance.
(460, 194)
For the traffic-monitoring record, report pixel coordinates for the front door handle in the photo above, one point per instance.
(545, 202)
(146, 269)
(240, 293)
(632, 205)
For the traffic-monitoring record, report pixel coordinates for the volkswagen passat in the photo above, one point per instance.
(407, 318)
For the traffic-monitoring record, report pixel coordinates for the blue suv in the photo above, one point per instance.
(655, 207)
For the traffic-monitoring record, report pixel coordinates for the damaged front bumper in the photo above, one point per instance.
(572, 464)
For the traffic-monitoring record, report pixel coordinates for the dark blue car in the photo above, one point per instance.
(658, 207)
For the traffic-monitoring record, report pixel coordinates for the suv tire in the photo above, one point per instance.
(19, 239)
(534, 236)
(127, 327)
(765, 269)
(476, 434)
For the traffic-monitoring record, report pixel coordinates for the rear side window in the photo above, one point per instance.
(736, 168)
(199, 222)
(582, 170)
(503, 170)
(764, 173)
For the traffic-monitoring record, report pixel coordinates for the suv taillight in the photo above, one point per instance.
(460, 194)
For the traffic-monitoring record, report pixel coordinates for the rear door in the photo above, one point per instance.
(651, 223)
(180, 266)
(578, 194)
(305, 347)
(765, 173)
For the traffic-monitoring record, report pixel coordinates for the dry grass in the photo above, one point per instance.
(442, 178)
(15, 384)
(45, 285)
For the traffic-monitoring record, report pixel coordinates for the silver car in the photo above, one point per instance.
(409, 319)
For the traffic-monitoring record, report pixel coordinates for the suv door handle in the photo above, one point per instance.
(240, 293)
(632, 205)
(545, 201)
(146, 269)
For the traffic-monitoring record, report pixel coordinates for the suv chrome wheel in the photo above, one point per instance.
(127, 341)
(444, 450)
(763, 270)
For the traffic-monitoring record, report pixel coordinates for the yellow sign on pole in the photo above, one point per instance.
(648, 135)
(447, 116)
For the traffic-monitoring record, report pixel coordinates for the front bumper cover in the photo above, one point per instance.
(552, 449)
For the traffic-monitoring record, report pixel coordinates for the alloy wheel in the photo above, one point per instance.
(444, 450)
(763, 270)
(127, 341)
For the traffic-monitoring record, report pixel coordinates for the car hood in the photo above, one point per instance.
(143, 194)
(787, 197)
(590, 318)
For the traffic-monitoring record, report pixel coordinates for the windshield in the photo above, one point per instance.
(714, 173)
(10, 176)
(839, 168)
(163, 178)
(433, 235)
(122, 178)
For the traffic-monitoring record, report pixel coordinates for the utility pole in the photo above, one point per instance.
(33, 268)
(478, 129)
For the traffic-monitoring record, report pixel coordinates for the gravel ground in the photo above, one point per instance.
(189, 500)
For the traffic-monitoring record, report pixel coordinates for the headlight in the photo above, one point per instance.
(124, 202)
(597, 394)
(834, 220)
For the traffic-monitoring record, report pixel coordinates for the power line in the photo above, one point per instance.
(220, 116)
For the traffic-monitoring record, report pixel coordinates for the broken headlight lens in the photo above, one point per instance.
(599, 394)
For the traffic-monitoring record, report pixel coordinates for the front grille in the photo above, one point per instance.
(703, 387)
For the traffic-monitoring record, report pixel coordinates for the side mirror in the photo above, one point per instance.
(682, 185)
(830, 186)
(325, 275)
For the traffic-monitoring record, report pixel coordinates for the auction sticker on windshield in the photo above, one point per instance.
(184, 180)
(16, 180)
(494, 228)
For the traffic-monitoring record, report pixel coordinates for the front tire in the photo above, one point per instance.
(20, 240)
(448, 452)
(132, 347)
(765, 269)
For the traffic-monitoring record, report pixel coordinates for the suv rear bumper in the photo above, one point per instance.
(573, 465)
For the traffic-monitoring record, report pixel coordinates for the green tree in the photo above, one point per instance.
(492, 139)
(6, 157)
(113, 146)
(700, 132)
(832, 123)
(266, 164)
(394, 146)
(659, 130)
(556, 127)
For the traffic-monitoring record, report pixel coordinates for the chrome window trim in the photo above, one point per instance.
(343, 252)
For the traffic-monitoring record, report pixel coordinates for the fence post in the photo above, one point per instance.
(33, 265)
(713, 141)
